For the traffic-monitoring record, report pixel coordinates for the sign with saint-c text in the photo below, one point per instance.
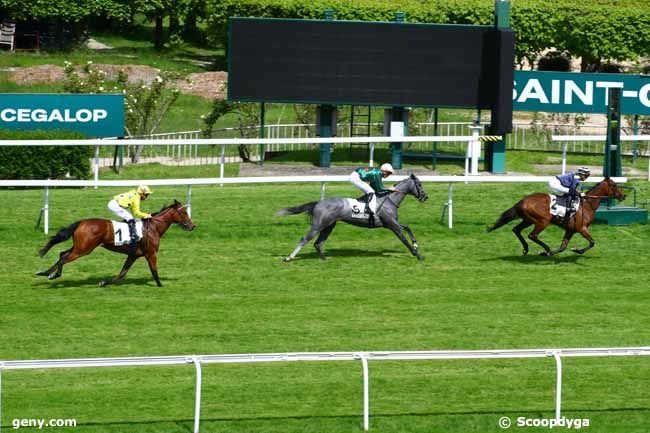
(573, 92)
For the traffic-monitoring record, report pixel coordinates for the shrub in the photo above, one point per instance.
(43, 162)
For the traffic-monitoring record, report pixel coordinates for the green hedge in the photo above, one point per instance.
(595, 30)
(43, 162)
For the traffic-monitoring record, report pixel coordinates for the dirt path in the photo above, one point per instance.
(209, 85)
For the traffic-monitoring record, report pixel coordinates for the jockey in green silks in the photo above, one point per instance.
(369, 180)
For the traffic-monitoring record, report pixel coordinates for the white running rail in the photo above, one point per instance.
(364, 357)
(448, 206)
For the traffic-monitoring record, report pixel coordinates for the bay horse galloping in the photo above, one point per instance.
(535, 209)
(88, 234)
(326, 213)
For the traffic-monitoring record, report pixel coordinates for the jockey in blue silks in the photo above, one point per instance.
(567, 185)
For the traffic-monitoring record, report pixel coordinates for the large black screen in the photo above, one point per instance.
(366, 63)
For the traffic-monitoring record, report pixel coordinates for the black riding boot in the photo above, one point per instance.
(371, 214)
(134, 236)
(569, 209)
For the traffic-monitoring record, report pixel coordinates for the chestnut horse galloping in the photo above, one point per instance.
(88, 234)
(535, 210)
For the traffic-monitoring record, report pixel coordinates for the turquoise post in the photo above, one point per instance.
(325, 129)
(398, 114)
(262, 132)
(324, 126)
(495, 151)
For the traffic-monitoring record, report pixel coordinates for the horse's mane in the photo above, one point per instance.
(597, 185)
(406, 179)
(164, 208)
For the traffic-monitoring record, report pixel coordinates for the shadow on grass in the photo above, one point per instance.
(349, 252)
(62, 283)
(185, 423)
(536, 259)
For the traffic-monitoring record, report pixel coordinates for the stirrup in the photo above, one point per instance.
(371, 218)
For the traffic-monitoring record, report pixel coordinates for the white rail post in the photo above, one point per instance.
(372, 155)
(366, 393)
(474, 150)
(188, 205)
(96, 166)
(450, 208)
(46, 211)
(564, 150)
(197, 402)
(558, 385)
(223, 161)
(322, 190)
(1, 367)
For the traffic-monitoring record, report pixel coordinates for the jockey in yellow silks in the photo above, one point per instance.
(127, 207)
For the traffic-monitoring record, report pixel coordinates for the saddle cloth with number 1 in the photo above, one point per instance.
(121, 234)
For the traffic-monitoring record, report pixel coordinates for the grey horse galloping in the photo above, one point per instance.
(326, 213)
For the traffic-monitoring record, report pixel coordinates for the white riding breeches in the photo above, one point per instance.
(118, 210)
(355, 179)
(556, 186)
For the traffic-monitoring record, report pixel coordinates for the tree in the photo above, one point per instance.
(145, 105)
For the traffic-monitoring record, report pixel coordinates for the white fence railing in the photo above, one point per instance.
(448, 206)
(363, 356)
(472, 143)
(524, 136)
(566, 139)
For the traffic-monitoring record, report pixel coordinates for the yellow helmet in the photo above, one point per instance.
(143, 189)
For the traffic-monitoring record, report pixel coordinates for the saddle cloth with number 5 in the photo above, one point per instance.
(121, 234)
(358, 209)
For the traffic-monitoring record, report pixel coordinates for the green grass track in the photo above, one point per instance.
(227, 291)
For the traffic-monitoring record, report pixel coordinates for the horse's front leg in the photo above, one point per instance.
(152, 259)
(584, 231)
(127, 265)
(397, 229)
(408, 231)
(568, 234)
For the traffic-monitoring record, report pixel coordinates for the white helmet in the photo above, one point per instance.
(584, 171)
(143, 189)
(386, 167)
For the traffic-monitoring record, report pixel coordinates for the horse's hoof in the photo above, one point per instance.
(545, 254)
(103, 283)
(53, 276)
(41, 274)
(577, 251)
(524, 253)
(420, 258)
(286, 259)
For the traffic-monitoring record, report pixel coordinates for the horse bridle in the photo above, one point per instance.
(401, 192)
(179, 214)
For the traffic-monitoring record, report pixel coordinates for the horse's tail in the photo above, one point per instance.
(506, 217)
(62, 236)
(307, 207)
